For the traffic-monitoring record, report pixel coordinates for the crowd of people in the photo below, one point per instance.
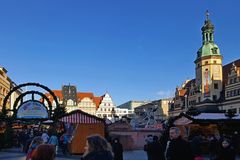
(44, 145)
(223, 147)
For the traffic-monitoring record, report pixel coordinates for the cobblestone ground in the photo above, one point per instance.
(16, 154)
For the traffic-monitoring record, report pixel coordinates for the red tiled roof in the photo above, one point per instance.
(81, 95)
(58, 94)
(97, 101)
(182, 92)
(227, 68)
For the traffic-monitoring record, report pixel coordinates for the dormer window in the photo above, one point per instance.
(214, 50)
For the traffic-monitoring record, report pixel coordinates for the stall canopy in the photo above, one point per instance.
(79, 117)
(184, 119)
(215, 116)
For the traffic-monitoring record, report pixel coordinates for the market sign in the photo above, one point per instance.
(32, 110)
(182, 121)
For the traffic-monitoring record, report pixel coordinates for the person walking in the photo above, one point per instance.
(65, 140)
(45, 137)
(97, 148)
(32, 147)
(117, 149)
(155, 149)
(226, 151)
(148, 140)
(44, 152)
(196, 146)
(53, 140)
(177, 148)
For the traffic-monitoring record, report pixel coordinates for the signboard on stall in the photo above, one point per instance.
(32, 110)
(182, 121)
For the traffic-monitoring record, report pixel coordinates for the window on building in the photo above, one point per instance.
(235, 92)
(228, 94)
(206, 62)
(199, 99)
(198, 65)
(214, 97)
(235, 80)
(233, 110)
(215, 62)
(215, 86)
(231, 94)
(231, 81)
(70, 102)
(238, 91)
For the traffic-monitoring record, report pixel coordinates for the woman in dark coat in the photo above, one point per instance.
(97, 148)
(117, 149)
(226, 151)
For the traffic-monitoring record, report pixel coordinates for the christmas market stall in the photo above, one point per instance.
(208, 123)
(81, 125)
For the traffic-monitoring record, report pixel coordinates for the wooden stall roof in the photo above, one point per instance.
(80, 117)
(184, 119)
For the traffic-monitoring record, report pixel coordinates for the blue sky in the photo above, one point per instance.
(134, 49)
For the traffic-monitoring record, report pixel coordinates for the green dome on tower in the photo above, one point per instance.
(209, 48)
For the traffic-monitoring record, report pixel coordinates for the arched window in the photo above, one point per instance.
(70, 102)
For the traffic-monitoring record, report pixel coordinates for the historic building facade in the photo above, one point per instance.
(231, 73)
(215, 87)
(131, 105)
(102, 106)
(6, 84)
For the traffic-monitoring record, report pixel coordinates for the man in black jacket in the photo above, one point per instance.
(177, 148)
(117, 149)
(155, 150)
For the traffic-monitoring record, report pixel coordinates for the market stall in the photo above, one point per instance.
(207, 123)
(81, 125)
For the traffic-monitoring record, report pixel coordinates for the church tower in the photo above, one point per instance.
(208, 65)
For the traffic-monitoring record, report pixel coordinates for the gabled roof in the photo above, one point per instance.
(227, 68)
(98, 101)
(80, 96)
(78, 116)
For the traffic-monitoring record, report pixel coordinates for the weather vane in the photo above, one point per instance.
(207, 14)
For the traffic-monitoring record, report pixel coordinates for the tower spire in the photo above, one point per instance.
(207, 15)
(207, 30)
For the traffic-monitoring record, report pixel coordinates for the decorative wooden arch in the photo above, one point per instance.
(4, 110)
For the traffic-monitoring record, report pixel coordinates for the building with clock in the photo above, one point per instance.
(216, 87)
